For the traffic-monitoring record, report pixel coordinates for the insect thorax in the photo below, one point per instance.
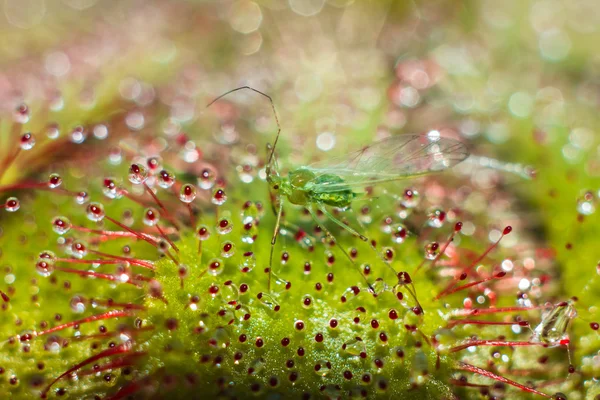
(306, 187)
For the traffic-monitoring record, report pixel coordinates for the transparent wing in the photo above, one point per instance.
(393, 158)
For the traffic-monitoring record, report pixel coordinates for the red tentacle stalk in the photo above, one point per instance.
(138, 234)
(96, 275)
(98, 317)
(480, 371)
(453, 323)
(120, 349)
(133, 261)
(468, 269)
(472, 343)
(499, 275)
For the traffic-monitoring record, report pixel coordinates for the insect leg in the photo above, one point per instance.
(341, 224)
(329, 234)
(274, 240)
(355, 233)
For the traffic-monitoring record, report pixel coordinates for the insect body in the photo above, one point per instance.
(303, 187)
(338, 181)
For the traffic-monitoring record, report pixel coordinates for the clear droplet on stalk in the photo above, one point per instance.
(61, 225)
(432, 250)
(52, 131)
(95, 212)
(44, 267)
(138, 174)
(151, 216)
(586, 204)
(268, 301)
(207, 179)
(227, 249)
(248, 262)
(82, 197)
(153, 163)
(78, 135)
(224, 226)
(230, 292)
(100, 131)
(216, 266)
(78, 304)
(322, 368)
(399, 233)
(355, 347)
(410, 198)
(54, 181)
(56, 102)
(79, 249)
(219, 197)
(187, 194)
(27, 141)
(12, 204)
(110, 188)
(436, 217)
(165, 179)
(379, 286)
(203, 233)
(22, 114)
(250, 232)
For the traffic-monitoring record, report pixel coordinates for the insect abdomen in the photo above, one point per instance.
(338, 198)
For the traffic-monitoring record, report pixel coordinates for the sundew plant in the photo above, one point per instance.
(322, 199)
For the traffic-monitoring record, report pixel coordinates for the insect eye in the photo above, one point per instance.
(276, 187)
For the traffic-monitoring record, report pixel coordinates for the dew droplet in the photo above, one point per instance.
(138, 174)
(27, 141)
(224, 226)
(95, 212)
(79, 249)
(227, 249)
(61, 225)
(379, 286)
(268, 301)
(187, 194)
(245, 173)
(219, 197)
(165, 179)
(248, 262)
(215, 266)
(203, 233)
(54, 181)
(207, 179)
(432, 250)
(12, 204)
(110, 188)
(322, 368)
(153, 163)
(410, 198)
(52, 131)
(355, 347)
(45, 267)
(22, 114)
(82, 198)
(586, 203)
(78, 304)
(399, 233)
(151, 216)
(249, 233)
(78, 135)
(436, 217)
(230, 293)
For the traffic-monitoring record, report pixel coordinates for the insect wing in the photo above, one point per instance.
(390, 159)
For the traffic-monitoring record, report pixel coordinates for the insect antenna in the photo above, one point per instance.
(272, 153)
